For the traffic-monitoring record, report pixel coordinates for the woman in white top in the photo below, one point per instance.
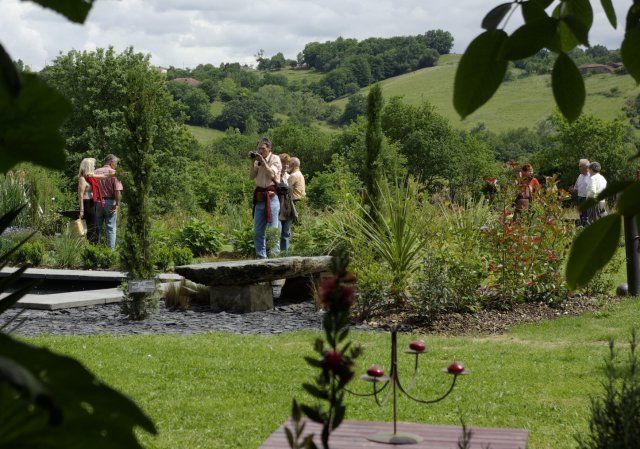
(597, 184)
(85, 196)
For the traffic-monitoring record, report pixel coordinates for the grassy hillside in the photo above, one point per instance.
(301, 75)
(205, 135)
(518, 103)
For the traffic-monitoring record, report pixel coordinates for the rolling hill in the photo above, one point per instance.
(518, 103)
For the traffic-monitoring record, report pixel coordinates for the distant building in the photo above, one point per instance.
(162, 70)
(190, 81)
(586, 69)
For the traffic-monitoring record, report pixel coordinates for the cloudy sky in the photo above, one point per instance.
(184, 33)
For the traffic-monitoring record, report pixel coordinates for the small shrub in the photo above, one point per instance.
(67, 250)
(242, 240)
(98, 256)
(30, 253)
(604, 281)
(181, 255)
(446, 284)
(313, 238)
(615, 421)
(162, 257)
(200, 237)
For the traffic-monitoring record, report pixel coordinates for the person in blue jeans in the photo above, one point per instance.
(265, 171)
(107, 211)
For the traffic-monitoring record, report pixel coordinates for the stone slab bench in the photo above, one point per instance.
(245, 285)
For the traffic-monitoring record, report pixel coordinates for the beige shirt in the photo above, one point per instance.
(297, 185)
(267, 174)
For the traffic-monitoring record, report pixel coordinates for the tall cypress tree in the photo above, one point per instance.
(141, 119)
(372, 173)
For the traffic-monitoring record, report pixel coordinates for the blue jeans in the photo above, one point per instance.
(104, 217)
(285, 234)
(260, 226)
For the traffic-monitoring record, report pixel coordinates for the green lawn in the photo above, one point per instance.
(518, 103)
(205, 135)
(228, 391)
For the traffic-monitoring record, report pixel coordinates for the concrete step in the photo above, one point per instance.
(66, 300)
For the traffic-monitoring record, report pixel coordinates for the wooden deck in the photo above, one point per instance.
(352, 435)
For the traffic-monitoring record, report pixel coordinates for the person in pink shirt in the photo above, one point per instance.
(107, 210)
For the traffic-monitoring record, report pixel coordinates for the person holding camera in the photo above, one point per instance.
(265, 171)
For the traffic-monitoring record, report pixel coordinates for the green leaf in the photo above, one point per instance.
(630, 51)
(564, 40)
(609, 10)
(529, 39)
(568, 87)
(295, 410)
(479, 73)
(579, 18)
(289, 437)
(338, 417)
(9, 77)
(315, 391)
(74, 10)
(629, 201)
(313, 362)
(495, 16)
(91, 409)
(29, 126)
(592, 249)
(533, 11)
(633, 17)
(543, 3)
(28, 385)
(313, 413)
(612, 189)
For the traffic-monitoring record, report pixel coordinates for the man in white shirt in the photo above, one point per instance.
(581, 188)
(596, 185)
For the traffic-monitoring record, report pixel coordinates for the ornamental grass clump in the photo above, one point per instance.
(395, 234)
(335, 361)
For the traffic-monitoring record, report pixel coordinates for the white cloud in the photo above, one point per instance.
(189, 32)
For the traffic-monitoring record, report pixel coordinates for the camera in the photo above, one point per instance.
(253, 154)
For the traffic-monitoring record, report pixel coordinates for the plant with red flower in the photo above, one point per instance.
(335, 355)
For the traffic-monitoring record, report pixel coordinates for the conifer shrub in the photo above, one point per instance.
(615, 416)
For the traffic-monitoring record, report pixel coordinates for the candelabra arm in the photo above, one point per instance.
(431, 401)
(366, 395)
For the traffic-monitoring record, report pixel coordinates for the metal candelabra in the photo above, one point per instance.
(375, 376)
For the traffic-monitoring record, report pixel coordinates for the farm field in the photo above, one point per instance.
(231, 391)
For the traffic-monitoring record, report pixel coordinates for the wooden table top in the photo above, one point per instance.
(352, 435)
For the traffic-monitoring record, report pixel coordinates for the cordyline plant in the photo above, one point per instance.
(335, 361)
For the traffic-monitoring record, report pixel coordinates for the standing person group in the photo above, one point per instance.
(589, 185)
(99, 195)
(269, 172)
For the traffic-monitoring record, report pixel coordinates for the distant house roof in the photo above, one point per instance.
(189, 81)
(595, 68)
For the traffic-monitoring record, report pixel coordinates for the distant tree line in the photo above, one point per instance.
(350, 64)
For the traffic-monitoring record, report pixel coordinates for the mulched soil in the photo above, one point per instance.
(491, 321)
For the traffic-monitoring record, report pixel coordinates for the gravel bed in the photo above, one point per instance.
(108, 319)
